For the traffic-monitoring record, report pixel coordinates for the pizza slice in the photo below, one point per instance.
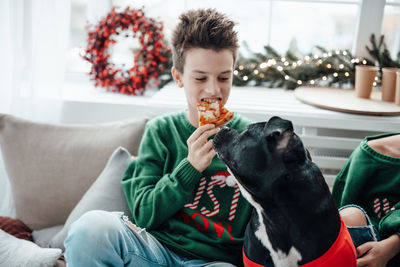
(212, 111)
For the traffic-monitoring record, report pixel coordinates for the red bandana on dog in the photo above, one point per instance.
(342, 253)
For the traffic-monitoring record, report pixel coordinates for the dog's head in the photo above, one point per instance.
(264, 155)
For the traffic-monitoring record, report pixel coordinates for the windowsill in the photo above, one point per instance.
(257, 103)
(80, 88)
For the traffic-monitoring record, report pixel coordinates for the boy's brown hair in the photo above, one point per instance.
(202, 28)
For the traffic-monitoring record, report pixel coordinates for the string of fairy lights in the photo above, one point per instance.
(270, 69)
(320, 68)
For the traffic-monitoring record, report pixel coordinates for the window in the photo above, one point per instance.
(391, 26)
(283, 24)
(303, 25)
(77, 38)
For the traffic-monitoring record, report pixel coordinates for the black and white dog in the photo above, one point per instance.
(295, 220)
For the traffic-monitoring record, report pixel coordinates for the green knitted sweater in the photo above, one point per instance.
(372, 181)
(194, 214)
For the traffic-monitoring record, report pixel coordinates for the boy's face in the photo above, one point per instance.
(207, 74)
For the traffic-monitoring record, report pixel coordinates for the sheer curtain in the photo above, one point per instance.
(33, 44)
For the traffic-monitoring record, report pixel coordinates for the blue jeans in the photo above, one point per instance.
(362, 234)
(100, 238)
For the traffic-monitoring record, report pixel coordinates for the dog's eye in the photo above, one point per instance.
(234, 164)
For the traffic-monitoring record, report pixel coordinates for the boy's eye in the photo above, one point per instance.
(223, 79)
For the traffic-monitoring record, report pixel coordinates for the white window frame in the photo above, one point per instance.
(369, 22)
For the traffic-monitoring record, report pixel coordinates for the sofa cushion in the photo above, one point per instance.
(19, 252)
(51, 166)
(43, 236)
(16, 228)
(104, 194)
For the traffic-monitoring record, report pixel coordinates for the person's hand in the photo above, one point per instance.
(372, 254)
(201, 151)
(377, 254)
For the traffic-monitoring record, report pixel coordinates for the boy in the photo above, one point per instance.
(371, 179)
(183, 211)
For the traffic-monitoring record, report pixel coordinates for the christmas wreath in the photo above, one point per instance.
(149, 60)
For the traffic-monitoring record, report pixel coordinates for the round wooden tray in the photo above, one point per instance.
(345, 100)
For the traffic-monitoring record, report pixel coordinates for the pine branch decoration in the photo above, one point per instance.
(273, 70)
(320, 68)
(381, 54)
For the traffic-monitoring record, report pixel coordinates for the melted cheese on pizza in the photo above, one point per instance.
(213, 112)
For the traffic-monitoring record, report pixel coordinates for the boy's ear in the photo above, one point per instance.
(177, 76)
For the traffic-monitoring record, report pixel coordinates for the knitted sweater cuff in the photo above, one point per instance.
(186, 174)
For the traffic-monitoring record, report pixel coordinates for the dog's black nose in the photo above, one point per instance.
(223, 135)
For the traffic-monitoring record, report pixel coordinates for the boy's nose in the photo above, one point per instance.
(213, 88)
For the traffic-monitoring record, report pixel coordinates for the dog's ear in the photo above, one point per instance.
(274, 119)
(274, 128)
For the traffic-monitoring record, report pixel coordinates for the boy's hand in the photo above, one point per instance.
(377, 254)
(201, 151)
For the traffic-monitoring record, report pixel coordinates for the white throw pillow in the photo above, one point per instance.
(105, 194)
(16, 252)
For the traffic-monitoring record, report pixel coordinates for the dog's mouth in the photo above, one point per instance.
(220, 138)
(231, 169)
(222, 144)
(221, 157)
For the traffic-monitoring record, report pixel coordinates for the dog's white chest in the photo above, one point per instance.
(279, 258)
